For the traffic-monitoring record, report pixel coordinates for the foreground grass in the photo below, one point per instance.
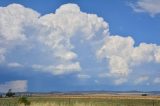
(80, 101)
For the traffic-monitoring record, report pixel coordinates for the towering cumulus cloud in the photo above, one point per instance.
(14, 20)
(54, 31)
(52, 37)
(60, 28)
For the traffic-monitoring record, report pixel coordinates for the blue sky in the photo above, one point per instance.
(69, 45)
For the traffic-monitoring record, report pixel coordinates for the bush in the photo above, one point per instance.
(24, 100)
(144, 94)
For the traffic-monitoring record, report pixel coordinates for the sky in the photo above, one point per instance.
(79, 45)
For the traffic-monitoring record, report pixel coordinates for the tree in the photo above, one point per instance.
(10, 93)
(24, 100)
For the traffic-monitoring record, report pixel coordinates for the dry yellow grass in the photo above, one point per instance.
(103, 96)
(87, 100)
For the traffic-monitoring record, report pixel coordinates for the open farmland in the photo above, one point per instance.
(86, 100)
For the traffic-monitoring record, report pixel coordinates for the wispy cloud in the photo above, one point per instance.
(149, 6)
(83, 76)
(120, 81)
(15, 65)
(59, 69)
(141, 79)
(156, 80)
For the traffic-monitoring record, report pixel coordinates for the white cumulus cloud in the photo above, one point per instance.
(59, 28)
(13, 22)
(122, 55)
(20, 25)
(68, 21)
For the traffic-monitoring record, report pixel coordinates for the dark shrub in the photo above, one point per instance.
(24, 100)
(10, 93)
(144, 94)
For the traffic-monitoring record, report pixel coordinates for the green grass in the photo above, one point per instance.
(49, 101)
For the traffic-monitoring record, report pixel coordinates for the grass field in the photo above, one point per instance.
(85, 101)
